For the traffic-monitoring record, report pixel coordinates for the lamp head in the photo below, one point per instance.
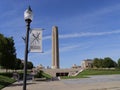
(28, 15)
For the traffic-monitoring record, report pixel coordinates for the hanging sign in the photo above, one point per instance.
(36, 40)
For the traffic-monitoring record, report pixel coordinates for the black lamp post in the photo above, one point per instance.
(28, 16)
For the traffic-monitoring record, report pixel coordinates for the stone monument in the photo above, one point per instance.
(55, 48)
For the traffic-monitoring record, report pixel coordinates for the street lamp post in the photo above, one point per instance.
(28, 16)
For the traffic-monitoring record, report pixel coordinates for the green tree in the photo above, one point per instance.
(108, 63)
(18, 64)
(2, 43)
(29, 65)
(11, 53)
(7, 52)
(98, 62)
(119, 62)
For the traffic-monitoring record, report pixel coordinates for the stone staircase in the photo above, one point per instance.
(75, 74)
(71, 72)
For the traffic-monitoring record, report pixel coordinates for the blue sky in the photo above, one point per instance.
(87, 28)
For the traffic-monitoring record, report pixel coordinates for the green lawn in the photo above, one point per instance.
(46, 75)
(41, 74)
(100, 72)
(86, 73)
(5, 81)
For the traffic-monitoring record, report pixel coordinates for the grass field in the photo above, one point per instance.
(41, 74)
(5, 81)
(86, 73)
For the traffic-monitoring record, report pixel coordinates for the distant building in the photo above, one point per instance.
(40, 67)
(87, 63)
(75, 66)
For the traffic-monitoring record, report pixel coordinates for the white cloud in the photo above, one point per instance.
(47, 37)
(88, 34)
(47, 52)
(104, 10)
(84, 34)
(70, 47)
(62, 49)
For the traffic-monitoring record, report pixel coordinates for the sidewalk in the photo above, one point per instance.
(97, 83)
(36, 85)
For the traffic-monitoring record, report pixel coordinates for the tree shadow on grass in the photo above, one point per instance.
(4, 84)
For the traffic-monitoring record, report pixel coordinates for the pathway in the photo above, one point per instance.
(103, 82)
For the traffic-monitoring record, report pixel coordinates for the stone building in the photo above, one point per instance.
(87, 64)
(39, 67)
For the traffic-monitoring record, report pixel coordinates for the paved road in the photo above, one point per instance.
(104, 82)
(94, 79)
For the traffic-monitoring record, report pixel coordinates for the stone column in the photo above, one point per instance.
(55, 48)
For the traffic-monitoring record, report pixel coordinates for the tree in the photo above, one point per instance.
(119, 62)
(7, 52)
(108, 63)
(18, 64)
(98, 62)
(29, 65)
(2, 43)
(11, 53)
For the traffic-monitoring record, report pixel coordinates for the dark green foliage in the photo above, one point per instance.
(108, 63)
(104, 63)
(18, 64)
(41, 74)
(29, 65)
(7, 52)
(119, 62)
(8, 74)
(98, 62)
(8, 58)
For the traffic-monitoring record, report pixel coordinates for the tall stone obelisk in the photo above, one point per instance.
(55, 48)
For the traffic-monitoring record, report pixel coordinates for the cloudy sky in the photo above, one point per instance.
(87, 28)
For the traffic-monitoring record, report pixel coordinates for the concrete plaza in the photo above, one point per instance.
(103, 82)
